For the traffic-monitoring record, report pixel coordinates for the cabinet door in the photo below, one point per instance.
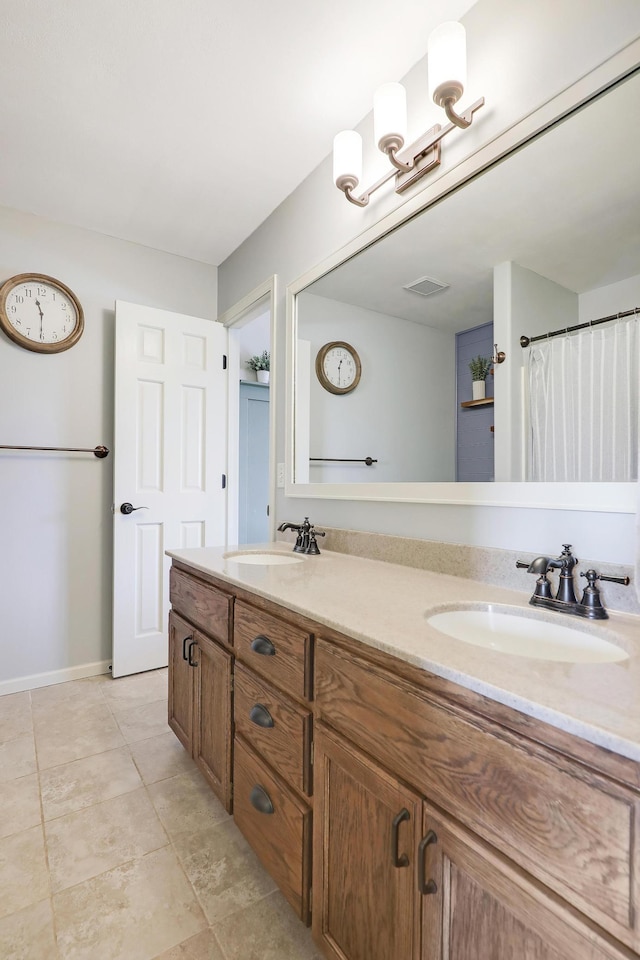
(181, 635)
(476, 904)
(212, 733)
(366, 830)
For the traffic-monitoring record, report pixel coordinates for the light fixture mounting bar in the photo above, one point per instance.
(421, 156)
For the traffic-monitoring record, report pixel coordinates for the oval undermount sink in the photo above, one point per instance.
(264, 559)
(504, 631)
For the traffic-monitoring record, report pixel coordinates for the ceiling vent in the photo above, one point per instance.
(425, 286)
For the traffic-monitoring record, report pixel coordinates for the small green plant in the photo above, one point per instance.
(480, 367)
(260, 362)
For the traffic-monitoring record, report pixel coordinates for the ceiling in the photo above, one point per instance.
(181, 126)
(566, 206)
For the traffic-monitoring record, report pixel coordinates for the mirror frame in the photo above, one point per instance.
(603, 497)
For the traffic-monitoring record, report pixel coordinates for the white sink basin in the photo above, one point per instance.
(525, 636)
(269, 559)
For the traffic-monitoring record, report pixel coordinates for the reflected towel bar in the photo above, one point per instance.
(367, 460)
(99, 452)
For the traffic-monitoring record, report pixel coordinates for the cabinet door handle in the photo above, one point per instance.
(184, 646)
(263, 646)
(425, 886)
(192, 663)
(260, 799)
(261, 716)
(397, 861)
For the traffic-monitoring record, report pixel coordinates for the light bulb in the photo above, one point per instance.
(390, 116)
(447, 62)
(347, 159)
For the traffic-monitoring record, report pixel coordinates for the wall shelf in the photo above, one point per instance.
(477, 403)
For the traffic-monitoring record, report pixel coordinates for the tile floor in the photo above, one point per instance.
(111, 845)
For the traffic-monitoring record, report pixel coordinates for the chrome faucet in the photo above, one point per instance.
(306, 540)
(565, 600)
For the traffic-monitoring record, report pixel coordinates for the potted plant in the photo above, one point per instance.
(479, 367)
(261, 363)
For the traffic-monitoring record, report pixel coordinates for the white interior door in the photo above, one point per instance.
(169, 463)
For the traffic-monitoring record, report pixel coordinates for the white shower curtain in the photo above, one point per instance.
(583, 399)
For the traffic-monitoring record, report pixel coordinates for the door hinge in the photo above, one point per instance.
(267, 509)
(224, 481)
(224, 361)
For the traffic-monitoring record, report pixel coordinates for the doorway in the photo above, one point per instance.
(251, 466)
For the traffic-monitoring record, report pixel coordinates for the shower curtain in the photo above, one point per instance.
(584, 394)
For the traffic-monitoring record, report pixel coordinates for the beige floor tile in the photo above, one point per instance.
(28, 934)
(92, 841)
(24, 879)
(268, 930)
(89, 689)
(15, 716)
(185, 804)
(136, 911)
(141, 722)
(65, 738)
(17, 758)
(159, 758)
(19, 805)
(137, 690)
(73, 786)
(204, 946)
(223, 870)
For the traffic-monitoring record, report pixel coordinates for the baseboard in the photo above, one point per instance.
(54, 676)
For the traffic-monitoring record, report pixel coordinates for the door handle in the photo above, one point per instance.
(398, 861)
(425, 886)
(192, 663)
(128, 508)
(184, 646)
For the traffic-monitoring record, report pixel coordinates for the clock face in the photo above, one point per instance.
(40, 313)
(338, 367)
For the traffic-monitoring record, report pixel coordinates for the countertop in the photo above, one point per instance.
(386, 606)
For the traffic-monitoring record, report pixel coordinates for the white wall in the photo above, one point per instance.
(520, 55)
(253, 338)
(403, 411)
(55, 509)
(614, 298)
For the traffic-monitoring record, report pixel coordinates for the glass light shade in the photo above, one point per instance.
(390, 112)
(447, 56)
(347, 156)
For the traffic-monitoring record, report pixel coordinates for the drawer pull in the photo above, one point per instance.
(263, 646)
(261, 800)
(184, 646)
(402, 861)
(261, 716)
(192, 663)
(425, 886)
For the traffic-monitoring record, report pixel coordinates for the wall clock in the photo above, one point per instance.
(338, 367)
(40, 313)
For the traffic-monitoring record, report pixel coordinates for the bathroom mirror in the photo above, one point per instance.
(548, 237)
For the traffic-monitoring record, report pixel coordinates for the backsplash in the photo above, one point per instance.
(484, 564)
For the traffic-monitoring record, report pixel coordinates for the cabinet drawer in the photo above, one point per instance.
(275, 726)
(202, 604)
(273, 648)
(571, 828)
(277, 825)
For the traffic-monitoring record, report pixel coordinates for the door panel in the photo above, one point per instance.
(169, 457)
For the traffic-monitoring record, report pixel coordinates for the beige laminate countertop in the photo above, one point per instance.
(386, 606)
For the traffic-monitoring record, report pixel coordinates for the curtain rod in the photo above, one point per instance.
(99, 452)
(525, 341)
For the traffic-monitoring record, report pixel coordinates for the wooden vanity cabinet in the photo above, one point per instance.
(200, 679)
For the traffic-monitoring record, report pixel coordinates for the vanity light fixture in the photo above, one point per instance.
(446, 57)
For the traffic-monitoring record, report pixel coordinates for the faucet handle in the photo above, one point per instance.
(522, 566)
(592, 576)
